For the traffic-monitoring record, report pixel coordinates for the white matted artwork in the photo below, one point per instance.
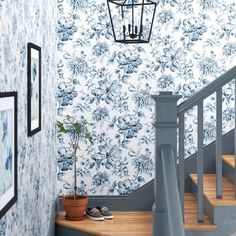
(8, 153)
(34, 89)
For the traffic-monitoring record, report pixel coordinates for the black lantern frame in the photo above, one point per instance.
(131, 20)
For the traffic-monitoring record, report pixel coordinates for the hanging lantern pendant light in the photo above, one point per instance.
(131, 14)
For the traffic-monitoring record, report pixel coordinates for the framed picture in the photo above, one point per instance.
(34, 89)
(8, 153)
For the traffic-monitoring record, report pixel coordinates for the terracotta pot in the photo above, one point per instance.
(75, 208)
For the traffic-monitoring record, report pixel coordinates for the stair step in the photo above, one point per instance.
(229, 159)
(209, 190)
(190, 216)
(136, 223)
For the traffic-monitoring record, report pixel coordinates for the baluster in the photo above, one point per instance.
(219, 143)
(200, 161)
(181, 174)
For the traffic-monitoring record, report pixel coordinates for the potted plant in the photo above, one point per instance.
(75, 205)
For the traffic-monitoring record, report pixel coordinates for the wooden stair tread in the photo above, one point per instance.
(190, 215)
(229, 159)
(136, 223)
(209, 190)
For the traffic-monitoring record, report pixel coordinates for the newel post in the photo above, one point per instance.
(165, 133)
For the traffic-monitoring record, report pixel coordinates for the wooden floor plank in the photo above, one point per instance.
(136, 223)
(209, 189)
(229, 159)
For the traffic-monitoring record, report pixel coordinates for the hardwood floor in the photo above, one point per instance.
(135, 223)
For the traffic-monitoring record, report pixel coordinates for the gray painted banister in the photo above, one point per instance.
(175, 217)
(166, 128)
(208, 90)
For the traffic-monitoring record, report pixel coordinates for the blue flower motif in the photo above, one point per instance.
(129, 61)
(164, 2)
(209, 131)
(208, 66)
(188, 89)
(65, 29)
(129, 126)
(79, 4)
(100, 114)
(108, 91)
(165, 16)
(165, 81)
(64, 159)
(66, 93)
(228, 114)
(194, 28)
(172, 58)
(100, 49)
(143, 164)
(142, 98)
(209, 4)
(101, 28)
(78, 66)
(127, 186)
(229, 49)
(100, 179)
(108, 155)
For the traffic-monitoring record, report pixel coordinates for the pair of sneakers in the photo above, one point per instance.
(99, 213)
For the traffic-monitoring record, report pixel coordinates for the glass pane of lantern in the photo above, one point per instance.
(148, 15)
(116, 18)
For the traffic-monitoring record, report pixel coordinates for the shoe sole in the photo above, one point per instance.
(95, 218)
(108, 217)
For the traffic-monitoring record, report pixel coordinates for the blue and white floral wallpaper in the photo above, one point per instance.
(23, 21)
(109, 84)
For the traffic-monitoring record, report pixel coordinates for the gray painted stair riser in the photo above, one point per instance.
(205, 233)
(228, 172)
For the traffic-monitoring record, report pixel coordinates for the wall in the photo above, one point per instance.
(109, 84)
(23, 21)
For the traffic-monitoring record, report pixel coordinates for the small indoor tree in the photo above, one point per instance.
(77, 131)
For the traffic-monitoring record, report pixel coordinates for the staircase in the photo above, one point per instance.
(221, 211)
(214, 192)
(188, 201)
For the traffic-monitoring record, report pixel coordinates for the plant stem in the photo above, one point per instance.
(75, 146)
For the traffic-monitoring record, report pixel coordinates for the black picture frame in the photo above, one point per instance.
(34, 88)
(8, 153)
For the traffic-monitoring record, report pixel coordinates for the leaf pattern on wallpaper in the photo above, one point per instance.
(193, 42)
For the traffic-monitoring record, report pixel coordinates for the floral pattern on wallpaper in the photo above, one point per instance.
(21, 22)
(193, 42)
